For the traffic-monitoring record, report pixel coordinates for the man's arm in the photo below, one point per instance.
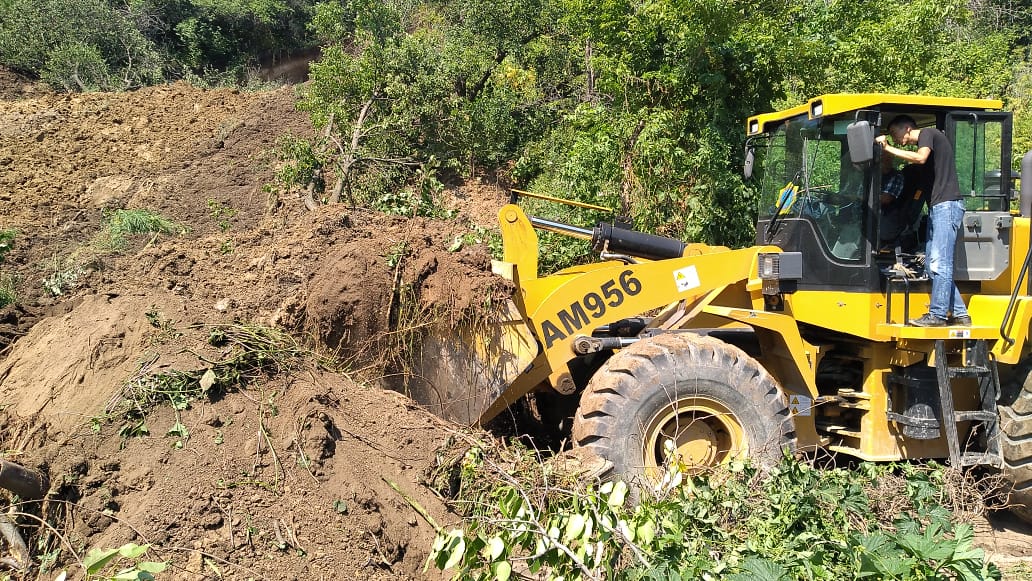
(920, 156)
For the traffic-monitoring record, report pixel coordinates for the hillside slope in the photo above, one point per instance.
(294, 475)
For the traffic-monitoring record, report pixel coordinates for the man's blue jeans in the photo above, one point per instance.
(944, 221)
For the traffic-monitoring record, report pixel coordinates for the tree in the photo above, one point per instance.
(108, 45)
(412, 90)
(86, 45)
(639, 106)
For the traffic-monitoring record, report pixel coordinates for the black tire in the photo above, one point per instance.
(712, 399)
(1016, 435)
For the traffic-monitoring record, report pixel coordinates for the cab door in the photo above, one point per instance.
(982, 143)
(981, 140)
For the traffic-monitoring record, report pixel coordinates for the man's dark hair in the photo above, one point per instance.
(905, 122)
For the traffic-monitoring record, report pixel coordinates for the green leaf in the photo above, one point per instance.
(178, 430)
(619, 494)
(501, 570)
(880, 557)
(645, 532)
(152, 566)
(495, 547)
(760, 569)
(132, 550)
(97, 559)
(510, 503)
(574, 527)
(342, 507)
(455, 549)
(589, 527)
(929, 545)
(435, 552)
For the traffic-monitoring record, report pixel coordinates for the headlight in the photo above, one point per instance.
(781, 266)
(767, 267)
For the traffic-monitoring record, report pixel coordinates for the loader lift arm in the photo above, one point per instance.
(566, 307)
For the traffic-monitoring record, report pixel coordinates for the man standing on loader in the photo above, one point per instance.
(945, 213)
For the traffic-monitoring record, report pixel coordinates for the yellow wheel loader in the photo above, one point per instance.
(665, 351)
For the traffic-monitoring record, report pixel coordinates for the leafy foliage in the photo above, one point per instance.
(202, 37)
(99, 563)
(638, 107)
(87, 45)
(410, 87)
(794, 522)
(90, 45)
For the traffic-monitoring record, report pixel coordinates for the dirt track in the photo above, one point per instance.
(291, 478)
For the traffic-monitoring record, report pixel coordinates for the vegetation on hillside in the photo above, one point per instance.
(634, 106)
(101, 45)
(638, 107)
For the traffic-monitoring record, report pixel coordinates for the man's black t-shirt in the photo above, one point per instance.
(944, 187)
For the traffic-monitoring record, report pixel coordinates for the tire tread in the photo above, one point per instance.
(632, 372)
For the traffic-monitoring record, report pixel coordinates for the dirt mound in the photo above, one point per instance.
(299, 473)
(14, 86)
(394, 275)
(291, 477)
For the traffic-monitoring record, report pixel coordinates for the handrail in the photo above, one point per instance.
(517, 193)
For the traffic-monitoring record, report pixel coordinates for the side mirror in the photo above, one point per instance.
(750, 158)
(860, 136)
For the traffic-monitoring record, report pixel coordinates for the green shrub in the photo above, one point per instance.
(86, 45)
(795, 521)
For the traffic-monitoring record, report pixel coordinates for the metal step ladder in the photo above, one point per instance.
(977, 363)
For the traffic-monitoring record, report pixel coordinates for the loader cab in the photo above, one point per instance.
(820, 186)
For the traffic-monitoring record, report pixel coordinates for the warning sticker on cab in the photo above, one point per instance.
(686, 278)
(799, 405)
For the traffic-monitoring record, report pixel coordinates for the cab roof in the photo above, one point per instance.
(834, 104)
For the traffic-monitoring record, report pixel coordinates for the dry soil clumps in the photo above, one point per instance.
(293, 471)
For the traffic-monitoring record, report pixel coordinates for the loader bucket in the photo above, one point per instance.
(461, 371)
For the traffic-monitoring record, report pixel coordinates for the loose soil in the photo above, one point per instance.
(306, 474)
(303, 474)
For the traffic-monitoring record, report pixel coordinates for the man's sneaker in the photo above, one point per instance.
(961, 321)
(929, 320)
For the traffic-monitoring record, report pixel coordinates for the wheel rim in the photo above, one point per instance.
(703, 431)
